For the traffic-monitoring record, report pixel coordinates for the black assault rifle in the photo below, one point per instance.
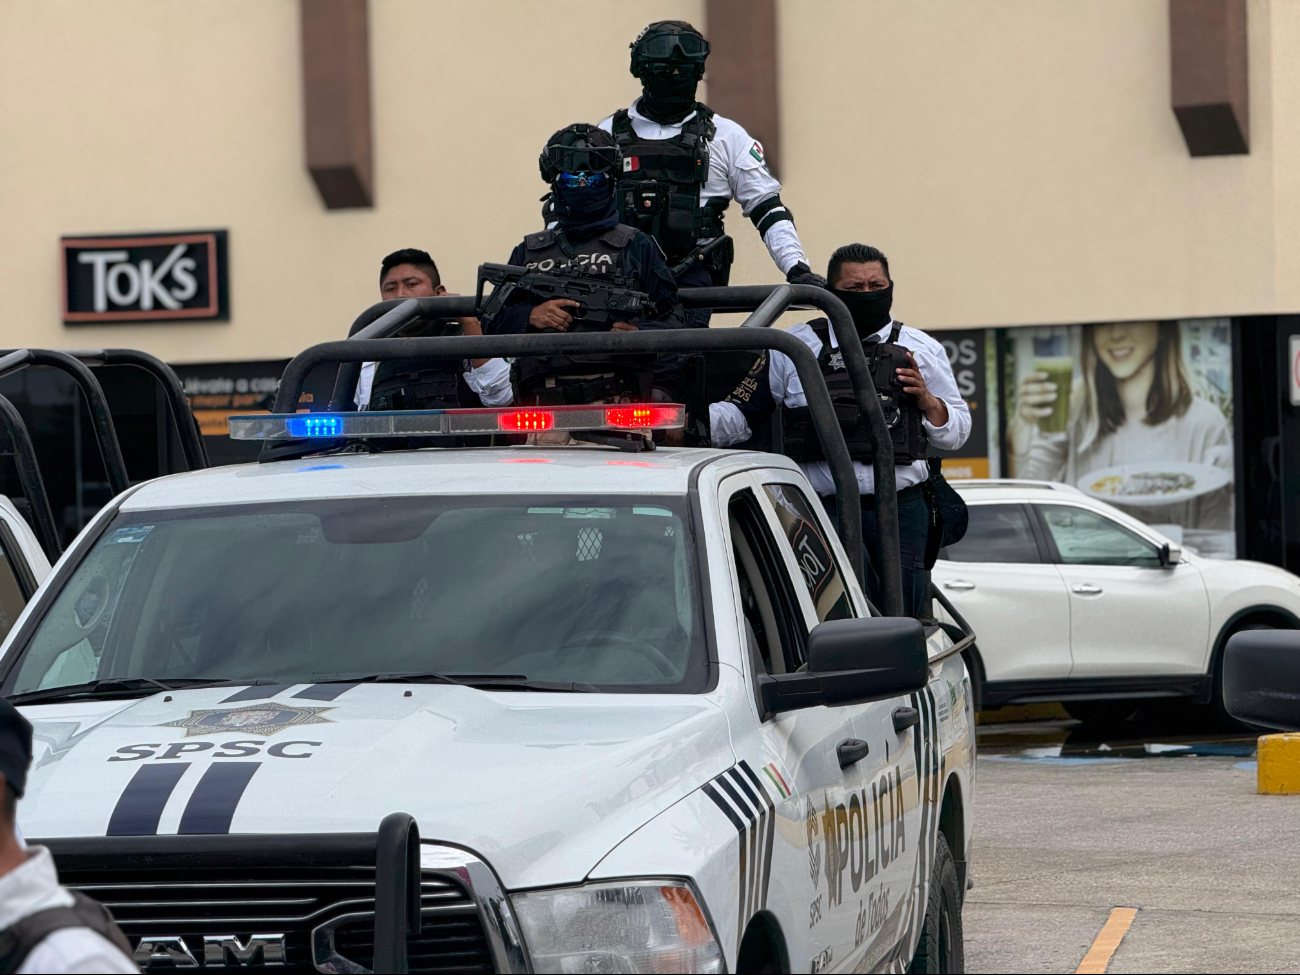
(601, 301)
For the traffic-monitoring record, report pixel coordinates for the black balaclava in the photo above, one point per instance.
(870, 309)
(669, 98)
(585, 211)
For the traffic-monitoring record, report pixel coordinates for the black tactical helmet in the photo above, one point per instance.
(666, 41)
(579, 148)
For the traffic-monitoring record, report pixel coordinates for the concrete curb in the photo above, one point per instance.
(1278, 769)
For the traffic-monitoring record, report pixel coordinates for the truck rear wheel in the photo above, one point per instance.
(940, 948)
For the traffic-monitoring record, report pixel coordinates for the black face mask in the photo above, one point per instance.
(668, 98)
(586, 209)
(870, 309)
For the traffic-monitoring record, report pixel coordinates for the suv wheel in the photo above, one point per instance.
(941, 948)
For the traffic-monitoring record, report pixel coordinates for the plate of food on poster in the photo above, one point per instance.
(1154, 482)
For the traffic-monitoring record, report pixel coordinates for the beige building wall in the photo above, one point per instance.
(1018, 160)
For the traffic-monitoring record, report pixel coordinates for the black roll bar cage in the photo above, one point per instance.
(29, 476)
(100, 416)
(766, 304)
(387, 318)
(77, 365)
(187, 428)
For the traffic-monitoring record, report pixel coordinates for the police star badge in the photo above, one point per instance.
(257, 719)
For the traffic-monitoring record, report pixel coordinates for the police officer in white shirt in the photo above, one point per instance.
(44, 927)
(859, 276)
(683, 164)
(428, 384)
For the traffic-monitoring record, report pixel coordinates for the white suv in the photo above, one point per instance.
(1073, 600)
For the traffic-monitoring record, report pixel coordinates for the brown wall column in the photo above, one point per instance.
(744, 83)
(1210, 86)
(336, 100)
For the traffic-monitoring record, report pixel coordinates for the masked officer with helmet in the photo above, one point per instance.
(683, 164)
(918, 393)
(581, 162)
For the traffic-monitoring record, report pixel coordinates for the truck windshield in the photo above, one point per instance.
(540, 589)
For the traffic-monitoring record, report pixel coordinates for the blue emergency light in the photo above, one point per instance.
(315, 425)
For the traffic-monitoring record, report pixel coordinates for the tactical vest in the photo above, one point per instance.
(573, 379)
(659, 189)
(419, 384)
(902, 413)
(19, 939)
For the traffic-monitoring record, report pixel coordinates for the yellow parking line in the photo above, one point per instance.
(1108, 939)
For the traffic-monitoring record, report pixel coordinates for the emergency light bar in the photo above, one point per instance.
(453, 423)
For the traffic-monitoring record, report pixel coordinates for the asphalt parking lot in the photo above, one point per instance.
(1072, 825)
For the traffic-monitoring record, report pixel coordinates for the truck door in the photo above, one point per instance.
(870, 835)
(798, 759)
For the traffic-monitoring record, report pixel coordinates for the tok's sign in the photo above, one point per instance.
(145, 277)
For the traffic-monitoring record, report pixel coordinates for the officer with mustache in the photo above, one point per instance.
(921, 399)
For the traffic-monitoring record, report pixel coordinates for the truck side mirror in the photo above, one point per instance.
(1261, 678)
(853, 662)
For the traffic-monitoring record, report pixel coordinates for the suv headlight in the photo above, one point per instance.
(647, 926)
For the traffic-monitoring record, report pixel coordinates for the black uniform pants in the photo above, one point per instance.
(913, 532)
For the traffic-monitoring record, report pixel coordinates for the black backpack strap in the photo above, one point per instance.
(822, 329)
(563, 243)
(621, 128)
(893, 333)
(21, 938)
(704, 115)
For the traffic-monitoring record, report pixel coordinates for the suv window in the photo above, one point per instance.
(774, 624)
(997, 533)
(816, 561)
(555, 589)
(1085, 537)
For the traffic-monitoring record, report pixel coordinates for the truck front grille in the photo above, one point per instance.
(289, 901)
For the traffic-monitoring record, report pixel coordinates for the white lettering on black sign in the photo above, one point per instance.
(145, 278)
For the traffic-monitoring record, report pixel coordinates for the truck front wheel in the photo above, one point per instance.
(940, 948)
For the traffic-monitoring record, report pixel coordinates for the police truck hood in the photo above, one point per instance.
(541, 785)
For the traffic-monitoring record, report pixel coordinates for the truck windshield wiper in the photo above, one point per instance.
(483, 682)
(514, 682)
(397, 677)
(115, 687)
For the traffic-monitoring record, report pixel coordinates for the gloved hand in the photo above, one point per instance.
(801, 273)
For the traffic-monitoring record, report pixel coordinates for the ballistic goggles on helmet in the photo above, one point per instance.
(661, 46)
(560, 159)
(571, 181)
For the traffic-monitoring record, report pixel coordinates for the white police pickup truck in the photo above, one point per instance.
(636, 703)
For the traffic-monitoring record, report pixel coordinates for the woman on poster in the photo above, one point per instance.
(1131, 405)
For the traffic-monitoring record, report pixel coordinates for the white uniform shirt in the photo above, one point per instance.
(491, 381)
(736, 171)
(729, 425)
(34, 887)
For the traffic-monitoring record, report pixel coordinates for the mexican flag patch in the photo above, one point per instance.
(756, 150)
(631, 164)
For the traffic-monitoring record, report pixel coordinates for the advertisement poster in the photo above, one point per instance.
(970, 353)
(1138, 414)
